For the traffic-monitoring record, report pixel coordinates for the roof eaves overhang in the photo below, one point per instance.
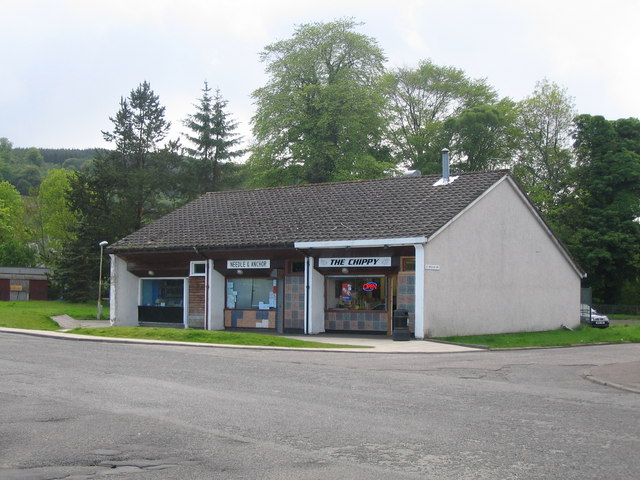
(374, 242)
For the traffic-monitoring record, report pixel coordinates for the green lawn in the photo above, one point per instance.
(204, 336)
(617, 333)
(34, 314)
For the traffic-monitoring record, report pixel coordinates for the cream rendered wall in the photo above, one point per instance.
(123, 299)
(217, 298)
(500, 271)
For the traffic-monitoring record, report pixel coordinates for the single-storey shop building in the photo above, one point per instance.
(462, 255)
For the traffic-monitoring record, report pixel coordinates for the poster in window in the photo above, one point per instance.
(346, 292)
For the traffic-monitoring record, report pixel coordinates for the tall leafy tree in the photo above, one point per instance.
(141, 166)
(14, 248)
(215, 142)
(599, 218)
(26, 178)
(544, 158)
(34, 157)
(53, 221)
(319, 118)
(483, 137)
(421, 101)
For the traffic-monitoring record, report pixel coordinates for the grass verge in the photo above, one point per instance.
(583, 335)
(204, 336)
(35, 314)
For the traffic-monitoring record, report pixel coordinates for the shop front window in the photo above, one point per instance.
(356, 292)
(162, 293)
(251, 293)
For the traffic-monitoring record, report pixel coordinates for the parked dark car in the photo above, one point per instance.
(589, 316)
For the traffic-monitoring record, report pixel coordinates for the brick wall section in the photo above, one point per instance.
(196, 302)
(294, 302)
(407, 296)
(250, 319)
(356, 321)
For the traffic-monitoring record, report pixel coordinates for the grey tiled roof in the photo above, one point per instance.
(277, 217)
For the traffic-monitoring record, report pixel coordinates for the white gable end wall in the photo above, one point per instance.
(123, 302)
(500, 271)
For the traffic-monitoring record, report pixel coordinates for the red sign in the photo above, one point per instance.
(370, 286)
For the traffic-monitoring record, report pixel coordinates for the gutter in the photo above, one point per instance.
(190, 249)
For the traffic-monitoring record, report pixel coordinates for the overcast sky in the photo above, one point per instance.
(67, 63)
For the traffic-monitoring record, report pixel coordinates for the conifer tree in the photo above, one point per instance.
(123, 189)
(214, 143)
(141, 166)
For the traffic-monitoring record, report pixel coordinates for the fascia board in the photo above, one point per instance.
(376, 242)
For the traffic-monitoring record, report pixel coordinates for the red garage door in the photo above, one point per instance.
(38, 290)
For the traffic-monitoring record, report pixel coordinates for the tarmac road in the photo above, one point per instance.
(90, 410)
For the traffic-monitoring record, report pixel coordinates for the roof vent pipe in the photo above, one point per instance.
(445, 165)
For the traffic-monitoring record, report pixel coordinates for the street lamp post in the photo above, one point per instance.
(102, 244)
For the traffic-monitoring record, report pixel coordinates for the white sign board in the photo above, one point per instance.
(355, 262)
(247, 264)
(432, 267)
